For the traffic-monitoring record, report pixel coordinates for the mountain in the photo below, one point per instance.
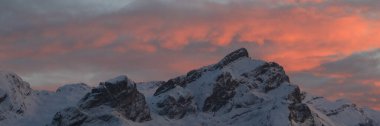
(238, 90)
(22, 106)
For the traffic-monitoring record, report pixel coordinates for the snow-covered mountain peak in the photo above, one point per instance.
(22, 106)
(13, 95)
(12, 82)
(235, 82)
(237, 90)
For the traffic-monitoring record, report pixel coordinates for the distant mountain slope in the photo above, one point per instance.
(22, 106)
(237, 90)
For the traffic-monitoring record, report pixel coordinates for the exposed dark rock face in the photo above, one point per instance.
(180, 81)
(195, 74)
(223, 91)
(242, 52)
(121, 96)
(296, 96)
(300, 113)
(3, 96)
(271, 75)
(176, 108)
(170, 84)
(69, 117)
(73, 116)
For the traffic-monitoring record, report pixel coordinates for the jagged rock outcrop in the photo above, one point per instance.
(301, 113)
(270, 75)
(170, 84)
(177, 106)
(69, 117)
(118, 95)
(223, 91)
(242, 52)
(196, 74)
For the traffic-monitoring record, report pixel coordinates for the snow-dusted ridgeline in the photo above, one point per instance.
(237, 90)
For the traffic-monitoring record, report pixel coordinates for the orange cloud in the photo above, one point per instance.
(299, 34)
(104, 40)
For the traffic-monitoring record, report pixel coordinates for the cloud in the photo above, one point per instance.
(295, 31)
(355, 77)
(156, 40)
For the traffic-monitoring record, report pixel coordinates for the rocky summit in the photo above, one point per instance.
(237, 90)
(107, 104)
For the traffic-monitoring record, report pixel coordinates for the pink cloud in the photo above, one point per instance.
(299, 34)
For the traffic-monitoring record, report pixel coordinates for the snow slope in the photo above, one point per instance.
(342, 112)
(23, 106)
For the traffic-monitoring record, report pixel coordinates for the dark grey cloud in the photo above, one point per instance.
(18, 15)
(359, 65)
(356, 77)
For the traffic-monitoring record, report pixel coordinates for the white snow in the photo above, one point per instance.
(40, 106)
(341, 112)
(242, 65)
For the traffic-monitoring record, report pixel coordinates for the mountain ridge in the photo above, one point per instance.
(237, 90)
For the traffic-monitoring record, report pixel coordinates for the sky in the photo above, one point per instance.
(328, 47)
